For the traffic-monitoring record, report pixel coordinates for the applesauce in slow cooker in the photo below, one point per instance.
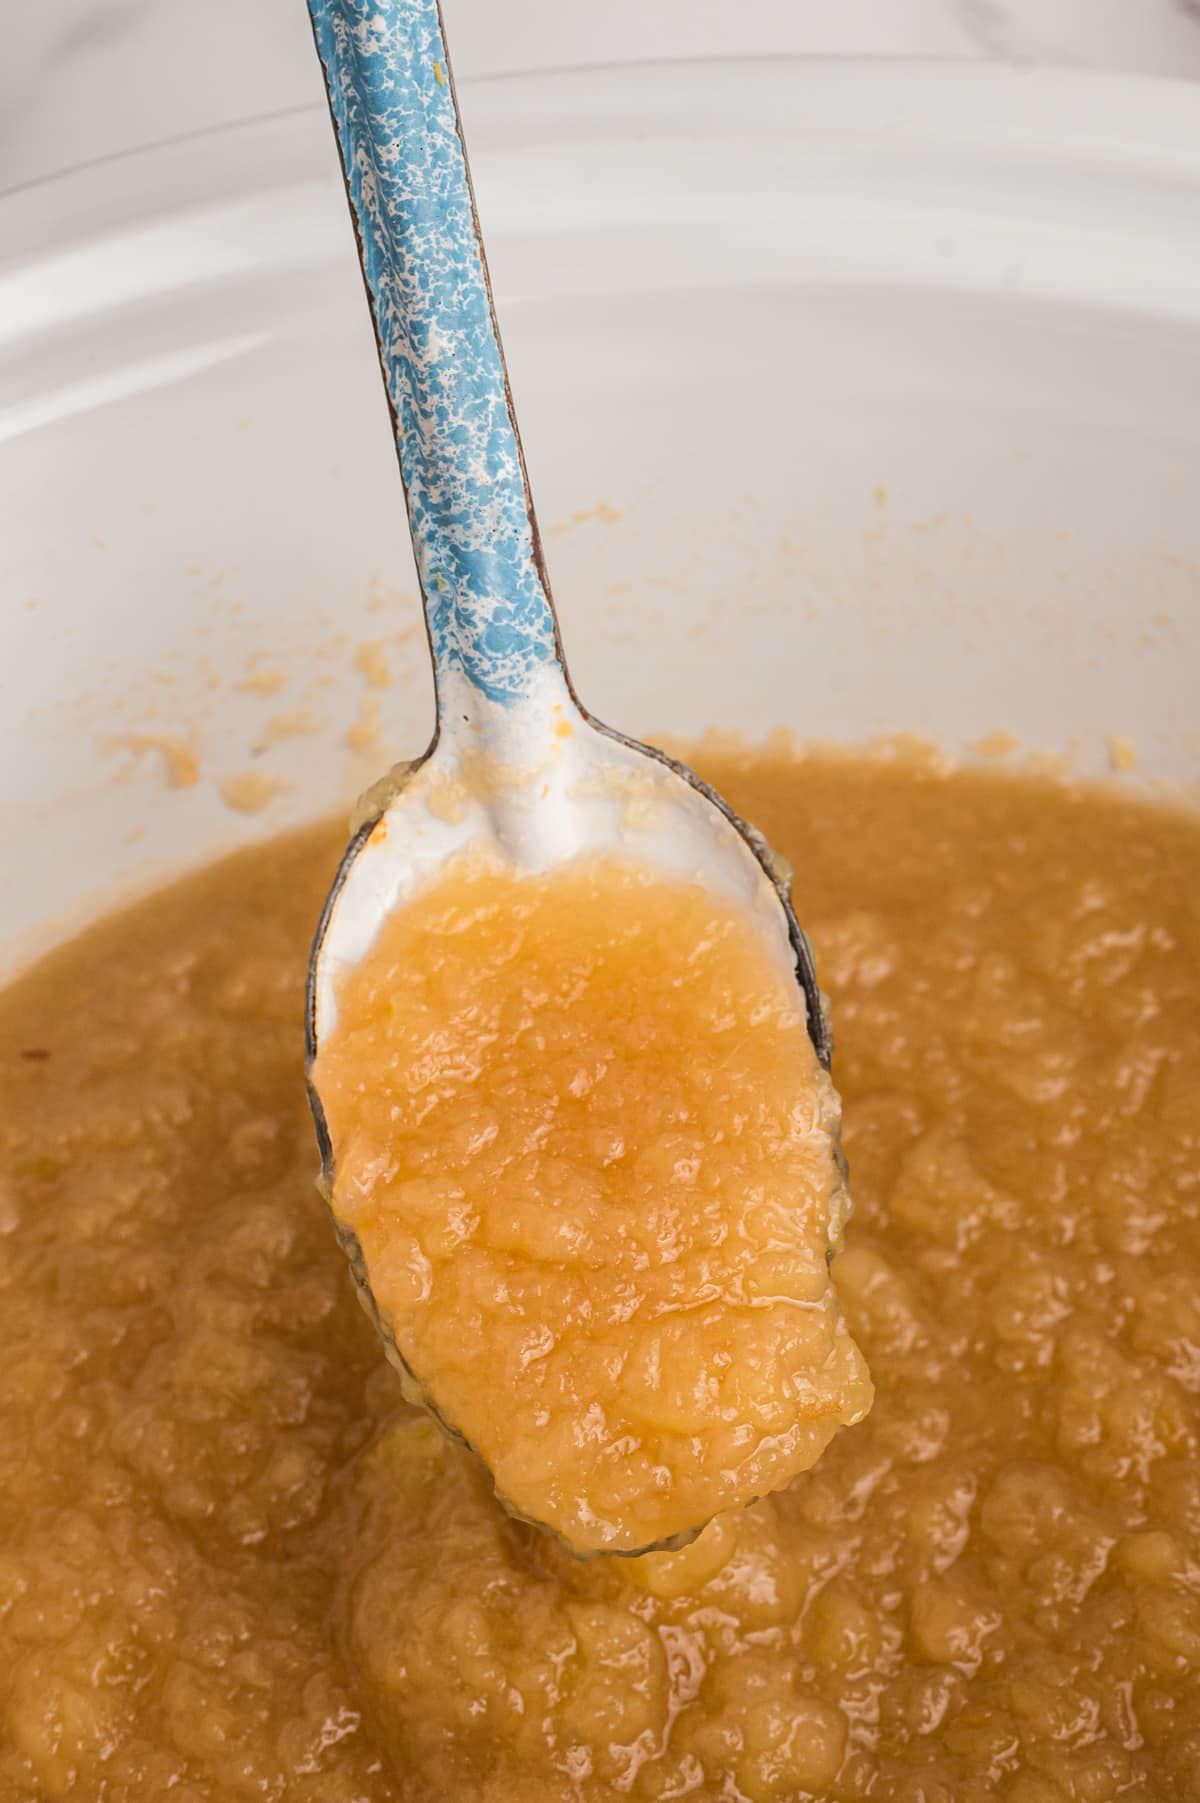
(235, 1564)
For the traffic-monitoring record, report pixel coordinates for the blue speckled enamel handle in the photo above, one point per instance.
(390, 92)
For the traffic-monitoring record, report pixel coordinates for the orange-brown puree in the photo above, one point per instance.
(234, 1564)
(583, 1142)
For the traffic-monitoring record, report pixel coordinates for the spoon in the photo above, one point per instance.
(517, 765)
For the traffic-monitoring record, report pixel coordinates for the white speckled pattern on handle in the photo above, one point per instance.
(390, 92)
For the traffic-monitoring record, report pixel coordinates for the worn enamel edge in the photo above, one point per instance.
(394, 110)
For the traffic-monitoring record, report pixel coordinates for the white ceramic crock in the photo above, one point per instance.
(857, 398)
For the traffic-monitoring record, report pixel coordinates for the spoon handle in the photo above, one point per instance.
(487, 598)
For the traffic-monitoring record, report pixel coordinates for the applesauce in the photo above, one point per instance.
(586, 1159)
(234, 1563)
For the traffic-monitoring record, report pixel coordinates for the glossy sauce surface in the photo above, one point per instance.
(589, 1161)
(235, 1564)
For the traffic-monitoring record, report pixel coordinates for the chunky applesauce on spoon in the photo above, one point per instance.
(586, 1151)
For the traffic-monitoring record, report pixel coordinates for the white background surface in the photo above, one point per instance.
(81, 79)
